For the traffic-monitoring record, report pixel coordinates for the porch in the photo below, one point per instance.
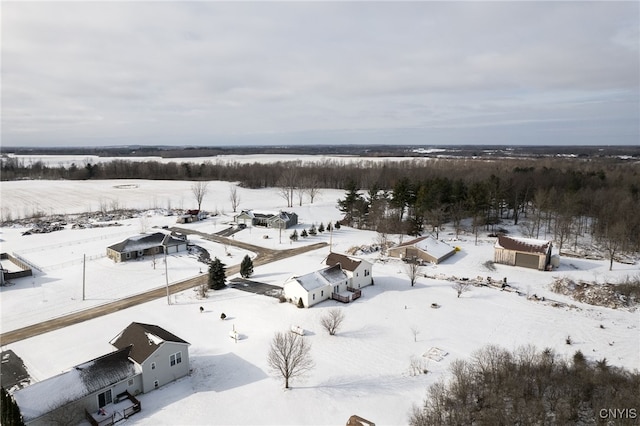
(345, 297)
(123, 406)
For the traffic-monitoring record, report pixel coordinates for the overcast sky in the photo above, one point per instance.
(223, 73)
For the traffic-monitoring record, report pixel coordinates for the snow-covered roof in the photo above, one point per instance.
(82, 380)
(145, 241)
(144, 339)
(322, 278)
(530, 245)
(430, 245)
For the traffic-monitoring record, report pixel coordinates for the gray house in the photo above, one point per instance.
(279, 220)
(146, 245)
(103, 390)
(162, 356)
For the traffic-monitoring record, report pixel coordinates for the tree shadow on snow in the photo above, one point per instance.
(220, 373)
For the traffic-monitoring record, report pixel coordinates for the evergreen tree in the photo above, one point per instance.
(217, 275)
(246, 267)
(304, 234)
(337, 225)
(313, 231)
(321, 227)
(10, 412)
(329, 227)
(294, 236)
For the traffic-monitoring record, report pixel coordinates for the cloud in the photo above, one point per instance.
(206, 72)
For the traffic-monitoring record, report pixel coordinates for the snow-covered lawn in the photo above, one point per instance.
(365, 369)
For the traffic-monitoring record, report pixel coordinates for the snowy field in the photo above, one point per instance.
(363, 370)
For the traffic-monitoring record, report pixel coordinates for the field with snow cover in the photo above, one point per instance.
(364, 369)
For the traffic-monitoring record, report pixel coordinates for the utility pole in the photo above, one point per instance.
(84, 273)
(166, 274)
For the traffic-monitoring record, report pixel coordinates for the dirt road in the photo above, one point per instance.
(263, 256)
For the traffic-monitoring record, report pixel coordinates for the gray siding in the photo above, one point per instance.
(164, 372)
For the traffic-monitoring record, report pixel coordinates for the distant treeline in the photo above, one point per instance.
(565, 197)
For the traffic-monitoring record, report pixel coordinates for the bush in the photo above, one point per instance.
(300, 303)
(282, 299)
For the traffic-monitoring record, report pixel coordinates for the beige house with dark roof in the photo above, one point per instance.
(146, 245)
(525, 252)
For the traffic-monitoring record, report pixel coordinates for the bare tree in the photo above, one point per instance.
(415, 331)
(413, 269)
(332, 320)
(287, 184)
(234, 198)
(199, 190)
(311, 187)
(289, 356)
(144, 223)
(461, 287)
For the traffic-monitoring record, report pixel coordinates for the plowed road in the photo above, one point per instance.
(263, 256)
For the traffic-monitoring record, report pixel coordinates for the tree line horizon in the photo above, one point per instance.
(561, 197)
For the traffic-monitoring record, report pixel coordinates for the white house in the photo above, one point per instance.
(358, 270)
(317, 286)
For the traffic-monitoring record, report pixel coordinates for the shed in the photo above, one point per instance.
(525, 252)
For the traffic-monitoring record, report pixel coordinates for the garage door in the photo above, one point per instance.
(527, 260)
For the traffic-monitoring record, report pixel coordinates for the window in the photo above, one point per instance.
(130, 382)
(153, 365)
(104, 398)
(156, 384)
(175, 358)
(321, 293)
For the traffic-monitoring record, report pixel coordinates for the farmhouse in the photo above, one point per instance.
(279, 220)
(145, 245)
(317, 286)
(526, 252)
(427, 249)
(103, 390)
(358, 270)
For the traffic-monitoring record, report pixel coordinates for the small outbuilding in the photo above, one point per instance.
(525, 252)
(426, 248)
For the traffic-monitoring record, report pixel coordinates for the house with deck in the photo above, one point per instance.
(427, 249)
(147, 245)
(90, 391)
(525, 252)
(103, 390)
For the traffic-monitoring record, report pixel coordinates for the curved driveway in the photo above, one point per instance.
(263, 256)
